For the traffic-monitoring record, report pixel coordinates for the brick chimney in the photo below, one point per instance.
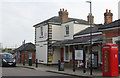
(88, 18)
(108, 16)
(63, 14)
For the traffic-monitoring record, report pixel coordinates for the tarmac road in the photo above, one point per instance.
(20, 72)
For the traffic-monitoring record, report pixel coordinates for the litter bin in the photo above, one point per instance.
(30, 62)
(60, 66)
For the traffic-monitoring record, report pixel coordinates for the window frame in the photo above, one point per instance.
(41, 32)
(67, 32)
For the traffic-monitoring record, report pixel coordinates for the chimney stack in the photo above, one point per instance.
(92, 18)
(63, 15)
(109, 11)
(108, 16)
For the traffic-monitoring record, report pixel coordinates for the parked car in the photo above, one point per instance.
(7, 59)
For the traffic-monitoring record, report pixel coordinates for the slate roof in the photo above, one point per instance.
(28, 47)
(84, 40)
(57, 20)
(95, 29)
(111, 25)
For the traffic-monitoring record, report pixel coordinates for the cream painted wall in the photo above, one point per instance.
(38, 33)
(41, 47)
(79, 27)
(71, 28)
(57, 32)
(56, 55)
(41, 52)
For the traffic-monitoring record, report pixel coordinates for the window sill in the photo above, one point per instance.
(41, 37)
(66, 35)
(66, 61)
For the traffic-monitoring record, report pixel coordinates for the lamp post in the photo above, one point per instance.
(90, 36)
(24, 53)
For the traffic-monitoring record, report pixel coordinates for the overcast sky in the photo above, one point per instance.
(19, 16)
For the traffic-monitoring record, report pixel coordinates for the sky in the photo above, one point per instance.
(19, 16)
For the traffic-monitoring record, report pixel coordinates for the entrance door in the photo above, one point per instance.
(95, 60)
(62, 54)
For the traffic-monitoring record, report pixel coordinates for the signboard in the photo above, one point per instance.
(50, 58)
(45, 35)
(78, 54)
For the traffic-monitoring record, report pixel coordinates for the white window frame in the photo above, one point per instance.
(67, 30)
(41, 32)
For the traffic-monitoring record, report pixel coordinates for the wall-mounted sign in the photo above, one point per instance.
(50, 58)
(78, 54)
(45, 35)
(114, 47)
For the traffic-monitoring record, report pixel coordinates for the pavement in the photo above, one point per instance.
(96, 73)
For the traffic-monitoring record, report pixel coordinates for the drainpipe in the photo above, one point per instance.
(48, 44)
(101, 51)
(73, 58)
(24, 53)
(84, 58)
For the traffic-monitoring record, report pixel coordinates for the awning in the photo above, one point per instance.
(83, 40)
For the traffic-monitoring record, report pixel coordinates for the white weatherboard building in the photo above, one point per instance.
(119, 10)
(55, 29)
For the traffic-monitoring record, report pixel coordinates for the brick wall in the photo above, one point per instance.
(63, 14)
(21, 56)
(108, 35)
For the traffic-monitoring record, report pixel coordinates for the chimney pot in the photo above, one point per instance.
(63, 14)
(107, 17)
(89, 14)
(63, 9)
(109, 11)
(92, 18)
(60, 10)
(106, 10)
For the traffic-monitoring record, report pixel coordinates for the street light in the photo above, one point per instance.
(24, 53)
(90, 35)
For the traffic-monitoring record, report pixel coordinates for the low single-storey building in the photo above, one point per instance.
(29, 50)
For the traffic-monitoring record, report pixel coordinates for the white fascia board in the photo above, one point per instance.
(67, 22)
(88, 34)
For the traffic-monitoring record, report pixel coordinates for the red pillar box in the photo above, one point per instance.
(110, 60)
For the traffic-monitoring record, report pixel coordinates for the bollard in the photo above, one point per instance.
(36, 63)
(30, 62)
(59, 65)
